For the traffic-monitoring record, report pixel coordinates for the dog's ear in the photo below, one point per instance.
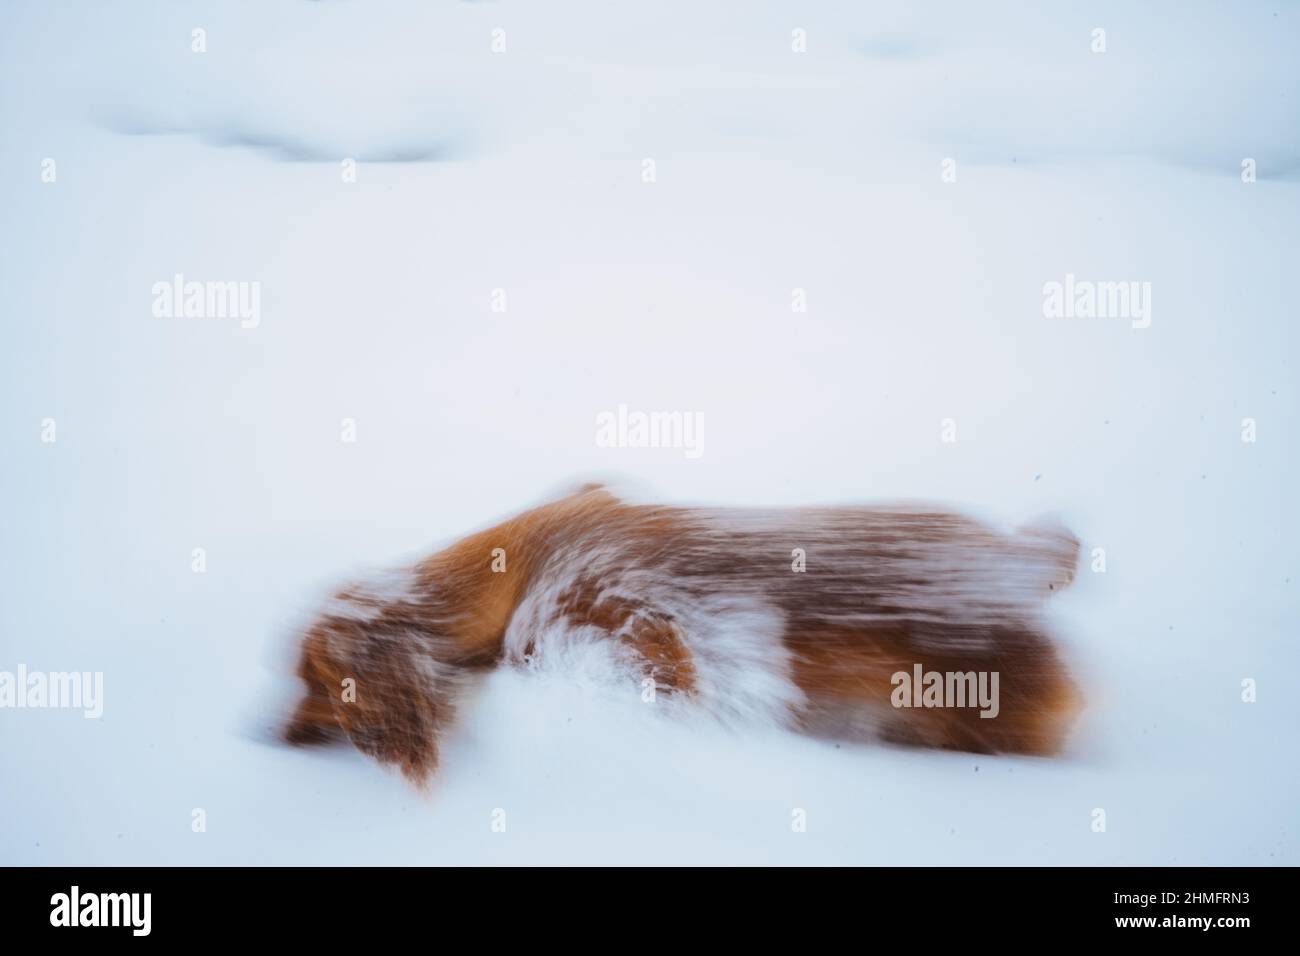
(374, 682)
(398, 708)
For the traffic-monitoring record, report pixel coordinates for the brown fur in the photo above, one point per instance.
(415, 655)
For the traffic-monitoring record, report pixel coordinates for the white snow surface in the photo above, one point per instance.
(522, 170)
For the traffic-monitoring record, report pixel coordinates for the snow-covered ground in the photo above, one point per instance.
(522, 170)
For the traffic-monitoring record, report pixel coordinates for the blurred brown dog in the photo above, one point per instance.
(806, 617)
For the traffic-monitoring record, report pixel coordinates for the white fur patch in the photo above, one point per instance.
(742, 667)
(366, 600)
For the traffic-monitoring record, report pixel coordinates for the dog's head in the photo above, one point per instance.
(375, 676)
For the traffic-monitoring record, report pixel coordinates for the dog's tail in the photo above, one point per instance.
(1052, 549)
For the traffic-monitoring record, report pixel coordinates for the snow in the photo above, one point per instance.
(522, 171)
